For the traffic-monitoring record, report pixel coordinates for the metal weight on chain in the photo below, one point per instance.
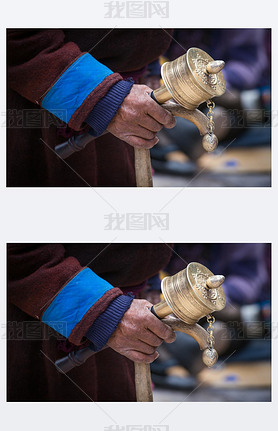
(210, 140)
(210, 355)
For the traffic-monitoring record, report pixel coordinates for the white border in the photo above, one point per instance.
(33, 215)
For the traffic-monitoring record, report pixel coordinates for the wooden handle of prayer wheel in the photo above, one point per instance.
(195, 116)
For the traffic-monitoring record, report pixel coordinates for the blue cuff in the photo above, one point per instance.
(105, 324)
(106, 108)
(74, 300)
(74, 86)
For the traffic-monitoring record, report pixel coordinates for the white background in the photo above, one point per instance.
(196, 215)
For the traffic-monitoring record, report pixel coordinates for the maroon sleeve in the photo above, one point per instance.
(38, 272)
(37, 58)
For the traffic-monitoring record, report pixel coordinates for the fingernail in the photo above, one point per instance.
(156, 356)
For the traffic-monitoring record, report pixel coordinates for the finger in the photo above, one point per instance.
(160, 114)
(150, 338)
(138, 142)
(143, 132)
(143, 347)
(172, 338)
(150, 123)
(160, 329)
(172, 124)
(141, 357)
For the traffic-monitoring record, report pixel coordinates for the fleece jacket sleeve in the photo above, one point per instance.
(56, 289)
(56, 75)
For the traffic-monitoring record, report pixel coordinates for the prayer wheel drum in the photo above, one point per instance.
(191, 79)
(191, 294)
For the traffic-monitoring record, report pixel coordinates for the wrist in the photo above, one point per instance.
(105, 110)
(105, 325)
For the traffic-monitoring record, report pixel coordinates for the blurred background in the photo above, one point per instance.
(242, 329)
(242, 115)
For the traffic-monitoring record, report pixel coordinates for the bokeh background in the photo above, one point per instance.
(242, 329)
(242, 115)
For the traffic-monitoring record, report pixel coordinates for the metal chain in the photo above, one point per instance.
(211, 125)
(210, 329)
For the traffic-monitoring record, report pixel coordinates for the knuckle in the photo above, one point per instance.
(147, 88)
(133, 115)
(145, 303)
(142, 88)
(124, 116)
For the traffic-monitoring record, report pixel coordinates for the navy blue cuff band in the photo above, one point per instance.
(106, 108)
(104, 326)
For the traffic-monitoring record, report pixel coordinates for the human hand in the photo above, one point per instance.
(140, 333)
(139, 119)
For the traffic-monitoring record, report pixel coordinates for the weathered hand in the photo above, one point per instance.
(140, 118)
(140, 333)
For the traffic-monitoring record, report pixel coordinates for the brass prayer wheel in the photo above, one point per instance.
(191, 294)
(191, 79)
